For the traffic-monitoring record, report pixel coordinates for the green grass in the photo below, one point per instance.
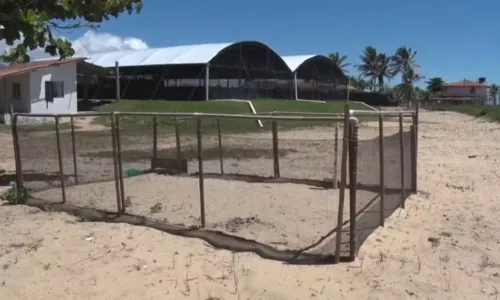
(37, 127)
(489, 112)
(134, 123)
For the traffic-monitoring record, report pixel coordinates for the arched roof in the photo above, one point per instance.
(298, 62)
(177, 55)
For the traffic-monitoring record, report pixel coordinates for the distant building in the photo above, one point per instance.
(464, 92)
(47, 86)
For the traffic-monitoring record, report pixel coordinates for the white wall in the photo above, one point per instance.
(65, 73)
(463, 91)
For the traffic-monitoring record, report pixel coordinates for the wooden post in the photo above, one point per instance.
(178, 144)
(155, 142)
(120, 162)
(381, 169)
(336, 156)
(414, 156)
(200, 172)
(275, 148)
(73, 146)
(353, 180)
(402, 161)
(221, 155)
(59, 157)
(343, 179)
(17, 152)
(119, 203)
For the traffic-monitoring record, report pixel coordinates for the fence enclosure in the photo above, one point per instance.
(293, 190)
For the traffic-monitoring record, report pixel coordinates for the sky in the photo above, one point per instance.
(454, 39)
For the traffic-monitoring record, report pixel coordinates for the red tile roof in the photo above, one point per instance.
(465, 83)
(15, 69)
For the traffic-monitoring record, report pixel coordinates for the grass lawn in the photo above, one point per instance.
(489, 112)
(135, 123)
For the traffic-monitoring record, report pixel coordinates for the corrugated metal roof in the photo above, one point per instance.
(15, 69)
(295, 61)
(193, 54)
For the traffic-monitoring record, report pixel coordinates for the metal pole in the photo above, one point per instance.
(381, 168)
(59, 157)
(73, 146)
(207, 82)
(117, 80)
(200, 172)
(343, 179)
(155, 142)
(221, 155)
(178, 145)
(336, 156)
(275, 148)
(120, 162)
(353, 173)
(119, 203)
(402, 161)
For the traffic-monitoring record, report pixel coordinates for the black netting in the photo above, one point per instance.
(86, 162)
(368, 190)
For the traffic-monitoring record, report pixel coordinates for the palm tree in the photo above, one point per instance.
(340, 61)
(403, 60)
(494, 88)
(368, 66)
(375, 66)
(407, 88)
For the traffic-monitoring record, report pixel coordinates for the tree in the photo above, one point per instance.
(358, 83)
(494, 88)
(340, 61)
(375, 66)
(435, 85)
(33, 23)
(407, 88)
(403, 60)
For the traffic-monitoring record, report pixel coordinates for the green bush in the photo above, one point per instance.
(15, 196)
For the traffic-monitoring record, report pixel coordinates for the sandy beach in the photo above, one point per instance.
(443, 245)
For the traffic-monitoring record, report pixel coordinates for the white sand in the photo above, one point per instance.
(50, 256)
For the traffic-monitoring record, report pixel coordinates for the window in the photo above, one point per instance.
(53, 89)
(16, 91)
(472, 90)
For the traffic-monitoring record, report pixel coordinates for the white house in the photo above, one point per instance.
(47, 86)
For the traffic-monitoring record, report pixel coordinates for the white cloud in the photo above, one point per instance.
(94, 42)
(91, 42)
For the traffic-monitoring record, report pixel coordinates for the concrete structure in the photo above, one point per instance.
(47, 86)
(464, 92)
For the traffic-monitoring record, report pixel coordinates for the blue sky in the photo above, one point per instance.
(454, 39)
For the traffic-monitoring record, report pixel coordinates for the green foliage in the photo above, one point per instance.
(339, 60)
(15, 196)
(491, 113)
(376, 67)
(435, 85)
(32, 22)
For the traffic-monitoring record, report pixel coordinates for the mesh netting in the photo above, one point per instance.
(86, 163)
(397, 181)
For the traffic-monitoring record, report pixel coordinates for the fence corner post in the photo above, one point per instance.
(353, 179)
(200, 171)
